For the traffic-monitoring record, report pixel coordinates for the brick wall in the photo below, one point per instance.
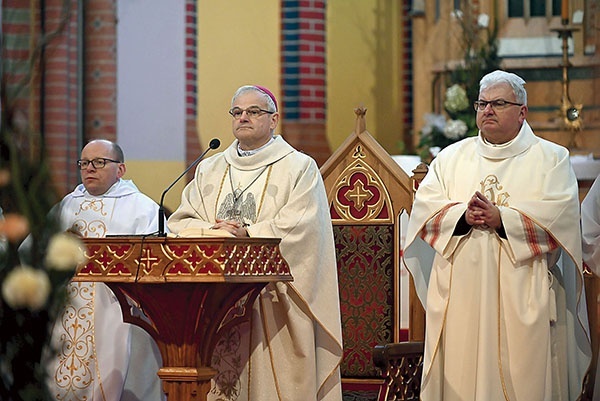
(50, 92)
(100, 79)
(192, 144)
(303, 50)
(72, 95)
(20, 99)
(407, 77)
(58, 89)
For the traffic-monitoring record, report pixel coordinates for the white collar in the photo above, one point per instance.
(244, 153)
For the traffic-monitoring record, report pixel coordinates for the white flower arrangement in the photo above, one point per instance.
(65, 252)
(26, 287)
(433, 122)
(456, 99)
(455, 129)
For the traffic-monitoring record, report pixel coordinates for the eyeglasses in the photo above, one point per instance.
(251, 112)
(497, 104)
(98, 162)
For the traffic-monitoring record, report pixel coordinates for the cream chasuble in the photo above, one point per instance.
(94, 346)
(590, 227)
(292, 348)
(590, 233)
(505, 317)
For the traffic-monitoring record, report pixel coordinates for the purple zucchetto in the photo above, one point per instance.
(268, 93)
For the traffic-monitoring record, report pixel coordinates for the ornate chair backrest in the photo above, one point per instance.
(367, 192)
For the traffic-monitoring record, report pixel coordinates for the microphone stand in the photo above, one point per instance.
(214, 144)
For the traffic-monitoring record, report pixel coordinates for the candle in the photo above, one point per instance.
(564, 11)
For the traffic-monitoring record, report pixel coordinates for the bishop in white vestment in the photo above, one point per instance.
(292, 348)
(296, 332)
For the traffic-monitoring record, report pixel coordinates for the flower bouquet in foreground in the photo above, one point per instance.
(36, 262)
(36, 259)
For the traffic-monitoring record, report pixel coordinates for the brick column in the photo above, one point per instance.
(192, 144)
(77, 83)
(303, 77)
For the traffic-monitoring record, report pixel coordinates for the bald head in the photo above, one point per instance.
(98, 180)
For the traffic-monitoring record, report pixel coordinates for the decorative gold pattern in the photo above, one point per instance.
(360, 195)
(366, 285)
(75, 371)
(90, 229)
(187, 314)
(492, 189)
(95, 205)
(179, 259)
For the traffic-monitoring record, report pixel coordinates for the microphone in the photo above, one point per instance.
(214, 144)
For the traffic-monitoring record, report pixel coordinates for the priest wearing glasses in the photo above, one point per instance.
(260, 186)
(98, 356)
(494, 246)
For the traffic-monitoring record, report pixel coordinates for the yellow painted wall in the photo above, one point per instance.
(238, 44)
(364, 69)
(144, 175)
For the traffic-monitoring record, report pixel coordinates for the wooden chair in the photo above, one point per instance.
(367, 192)
(401, 365)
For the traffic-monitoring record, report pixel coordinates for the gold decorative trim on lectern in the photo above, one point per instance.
(185, 292)
(153, 259)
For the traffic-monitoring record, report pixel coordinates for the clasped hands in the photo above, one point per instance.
(482, 212)
(232, 227)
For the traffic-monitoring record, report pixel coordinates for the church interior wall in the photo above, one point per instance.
(232, 51)
(528, 47)
(150, 94)
(238, 44)
(365, 68)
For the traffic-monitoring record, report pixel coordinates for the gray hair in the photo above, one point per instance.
(516, 83)
(251, 88)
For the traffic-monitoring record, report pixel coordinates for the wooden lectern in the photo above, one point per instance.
(185, 292)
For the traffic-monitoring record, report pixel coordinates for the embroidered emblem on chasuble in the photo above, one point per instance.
(228, 360)
(240, 198)
(492, 189)
(240, 204)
